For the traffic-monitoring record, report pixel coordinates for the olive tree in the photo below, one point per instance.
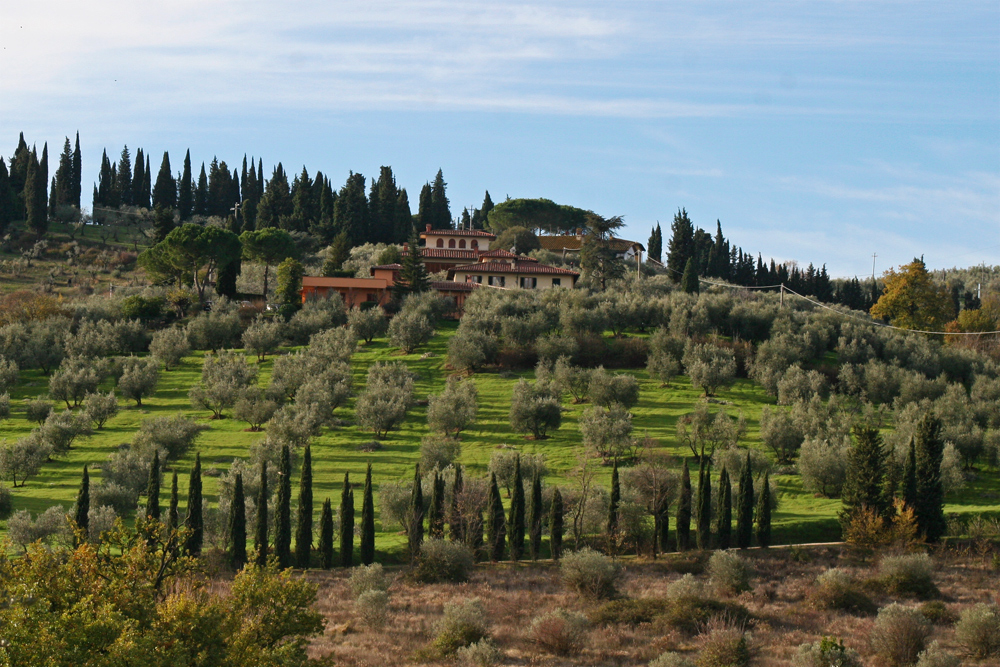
(8, 374)
(60, 429)
(23, 458)
(124, 475)
(367, 323)
(263, 336)
(609, 389)
(37, 410)
(73, 380)
(608, 432)
(317, 314)
(410, 330)
(223, 376)
(572, 379)
(470, 350)
(534, 410)
(290, 371)
(387, 396)
(780, 433)
(216, 330)
(99, 408)
(454, 409)
(333, 345)
(438, 451)
(169, 346)
(254, 408)
(710, 367)
(139, 378)
(704, 432)
(48, 526)
(172, 437)
(503, 463)
(823, 465)
(662, 366)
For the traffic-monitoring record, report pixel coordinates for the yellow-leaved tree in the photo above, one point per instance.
(912, 300)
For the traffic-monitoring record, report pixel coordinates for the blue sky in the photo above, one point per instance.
(819, 131)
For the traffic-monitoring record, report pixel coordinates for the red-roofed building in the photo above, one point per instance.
(507, 270)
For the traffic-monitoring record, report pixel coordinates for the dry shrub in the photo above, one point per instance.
(366, 578)
(935, 656)
(671, 659)
(442, 561)
(899, 635)
(837, 590)
(686, 587)
(686, 614)
(827, 652)
(560, 632)
(978, 630)
(484, 653)
(910, 574)
(869, 531)
(463, 624)
(937, 612)
(728, 572)
(373, 608)
(630, 612)
(724, 644)
(591, 574)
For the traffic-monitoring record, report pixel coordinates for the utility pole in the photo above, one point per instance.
(873, 266)
(236, 210)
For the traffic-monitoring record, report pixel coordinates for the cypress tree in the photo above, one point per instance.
(153, 488)
(194, 519)
(172, 510)
(661, 521)
(704, 505)
(368, 522)
(185, 195)
(556, 525)
(867, 472)
(304, 527)
(456, 530)
(413, 276)
(425, 209)
(535, 517)
(238, 526)
(910, 476)
(125, 178)
(347, 523)
(764, 513)
(689, 280)
(516, 523)
(283, 512)
(439, 203)
(326, 534)
(9, 206)
(147, 184)
(82, 514)
(200, 204)
(415, 529)
(35, 215)
(496, 526)
(435, 512)
(613, 503)
(724, 511)
(165, 190)
(681, 246)
(140, 195)
(76, 186)
(684, 510)
(260, 527)
(929, 507)
(744, 507)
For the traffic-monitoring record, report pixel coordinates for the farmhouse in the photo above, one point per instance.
(501, 268)
(569, 245)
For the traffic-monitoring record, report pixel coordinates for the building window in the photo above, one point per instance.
(440, 243)
(461, 243)
(529, 283)
(475, 279)
(475, 244)
(557, 282)
(498, 281)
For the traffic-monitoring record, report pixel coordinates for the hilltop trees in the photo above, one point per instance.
(912, 300)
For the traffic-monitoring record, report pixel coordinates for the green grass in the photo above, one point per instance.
(801, 517)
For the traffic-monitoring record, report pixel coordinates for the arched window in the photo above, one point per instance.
(461, 243)
(475, 244)
(440, 243)
(451, 243)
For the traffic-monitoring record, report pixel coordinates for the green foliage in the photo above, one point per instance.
(745, 507)
(724, 511)
(194, 522)
(978, 630)
(289, 290)
(518, 240)
(304, 524)
(368, 521)
(533, 410)
(260, 525)
(283, 511)
(725, 644)
(827, 652)
(689, 279)
(684, 510)
(929, 506)
(762, 514)
(556, 525)
(590, 574)
(443, 561)
(238, 527)
(463, 624)
(909, 574)
(515, 524)
(496, 523)
(899, 635)
(837, 590)
(347, 523)
(728, 572)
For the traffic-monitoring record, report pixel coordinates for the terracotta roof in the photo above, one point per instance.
(572, 242)
(457, 232)
(453, 286)
(323, 281)
(387, 267)
(446, 253)
(506, 254)
(504, 267)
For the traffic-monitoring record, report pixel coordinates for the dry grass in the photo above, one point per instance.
(780, 602)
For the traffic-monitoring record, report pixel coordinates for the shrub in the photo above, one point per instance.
(464, 623)
(373, 608)
(367, 324)
(909, 574)
(827, 652)
(899, 635)
(408, 331)
(8, 374)
(937, 612)
(591, 574)
(37, 409)
(263, 336)
(441, 561)
(438, 451)
(454, 409)
(101, 407)
(609, 389)
(49, 526)
(560, 632)
(6, 502)
(836, 589)
(724, 644)
(671, 659)
(123, 476)
(780, 433)
(62, 428)
(686, 587)
(935, 656)
(139, 378)
(169, 346)
(533, 411)
(484, 653)
(729, 572)
(710, 367)
(172, 436)
(978, 630)
(365, 578)
(662, 366)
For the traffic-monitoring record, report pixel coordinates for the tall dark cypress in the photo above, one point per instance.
(200, 204)
(238, 526)
(368, 521)
(684, 510)
(76, 186)
(516, 523)
(435, 511)
(194, 519)
(185, 194)
(929, 508)
(140, 194)
(496, 525)
(744, 507)
(347, 523)
(283, 512)
(724, 511)
(535, 517)
(764, 513)
(910, 475)
(172, 509)
(125, 178)
(304, 526)
(661, 521)
(704, 505)
(326, 534)
(456, 527)
(613, 505)
(556, 525)
(34, 197)
(415, 529)
(439, 203)
(165, 190)
(82, 515)
(260, 526)
(867, 472)
(153, 488)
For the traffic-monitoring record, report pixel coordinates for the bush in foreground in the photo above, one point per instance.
(591, 574)
(725, 644)
(366, 578)
(442, 561)
(671, 659)
(978, 630)
(935, 656)
(899, 635)
(464, 623)
(560, 632)
(729, 572)
(837, 590)
(373, 608)
(484, 653)
(910, 574)
(827, 652)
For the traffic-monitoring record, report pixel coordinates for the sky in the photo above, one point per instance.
(823, 131)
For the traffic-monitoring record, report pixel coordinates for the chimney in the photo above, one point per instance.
(428, 226)
(406, 247)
